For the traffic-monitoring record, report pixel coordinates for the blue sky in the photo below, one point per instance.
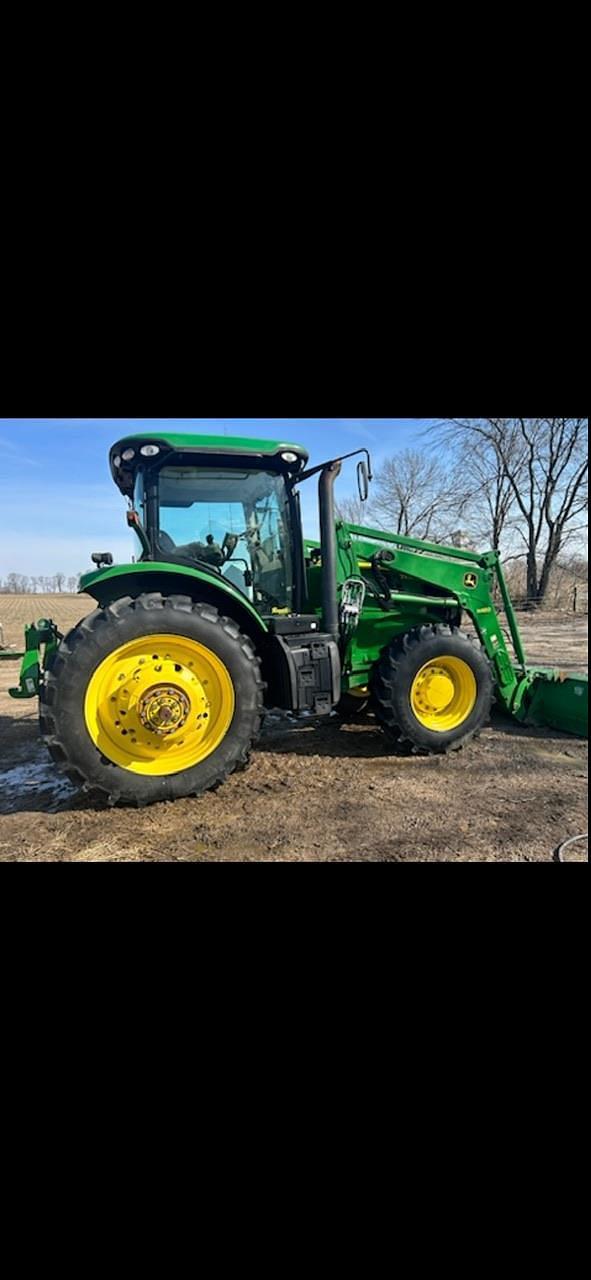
(58, 502)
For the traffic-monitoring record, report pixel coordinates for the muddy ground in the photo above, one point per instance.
(316, 793)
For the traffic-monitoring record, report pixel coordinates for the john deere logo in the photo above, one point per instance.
(471, 580)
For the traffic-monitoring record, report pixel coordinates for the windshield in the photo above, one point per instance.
(237, 522)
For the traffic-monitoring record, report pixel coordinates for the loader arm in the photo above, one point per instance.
(429, 583)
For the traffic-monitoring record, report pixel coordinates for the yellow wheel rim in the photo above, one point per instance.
(159, 705)
(444, 694)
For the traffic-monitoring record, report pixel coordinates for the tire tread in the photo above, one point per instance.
(60, 748)
(386, 678)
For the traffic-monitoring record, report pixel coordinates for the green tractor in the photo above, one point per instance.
(227, 610)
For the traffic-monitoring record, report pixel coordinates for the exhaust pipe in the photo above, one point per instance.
(328, 544)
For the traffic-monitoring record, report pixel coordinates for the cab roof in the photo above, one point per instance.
(248, 450)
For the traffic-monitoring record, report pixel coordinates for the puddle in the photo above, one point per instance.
(33, 779)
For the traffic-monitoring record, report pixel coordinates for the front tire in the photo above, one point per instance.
(152, 699)
(433, 690)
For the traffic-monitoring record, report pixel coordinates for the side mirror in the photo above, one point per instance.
(101, 558)
(363, 480)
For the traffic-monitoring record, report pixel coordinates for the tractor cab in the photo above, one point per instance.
(217, 503)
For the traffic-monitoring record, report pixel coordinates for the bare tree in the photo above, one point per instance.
(542, 464)
(353, 511)
(17, 584)
(489, 500)
(416, 496)
(59, 580)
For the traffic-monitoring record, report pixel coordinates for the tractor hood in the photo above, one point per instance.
(129, 454)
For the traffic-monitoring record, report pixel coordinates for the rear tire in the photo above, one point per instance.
(433, 690)
(219, 733)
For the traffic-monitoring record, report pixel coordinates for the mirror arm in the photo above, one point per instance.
(315, 471)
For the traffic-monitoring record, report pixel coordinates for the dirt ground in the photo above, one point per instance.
(313, 792)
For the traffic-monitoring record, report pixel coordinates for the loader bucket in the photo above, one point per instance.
(556, 700)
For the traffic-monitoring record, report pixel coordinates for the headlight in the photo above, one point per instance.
(289, 457)
(129, 455)
(149, 451)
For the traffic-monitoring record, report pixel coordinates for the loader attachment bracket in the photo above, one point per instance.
(41, 641)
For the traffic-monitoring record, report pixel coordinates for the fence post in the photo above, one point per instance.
(575, 594)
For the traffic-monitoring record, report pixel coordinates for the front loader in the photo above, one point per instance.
(226, 610)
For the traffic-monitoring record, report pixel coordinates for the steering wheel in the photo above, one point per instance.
(231, 540)
(165, 541)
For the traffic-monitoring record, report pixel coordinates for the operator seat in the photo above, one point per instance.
(207, 552)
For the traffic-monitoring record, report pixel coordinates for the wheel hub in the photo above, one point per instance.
(164, 709)
(444, 694)
(436, 690)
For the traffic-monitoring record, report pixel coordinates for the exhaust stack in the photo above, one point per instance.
(328, 544)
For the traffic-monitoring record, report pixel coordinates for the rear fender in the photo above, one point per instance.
(138, 579)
